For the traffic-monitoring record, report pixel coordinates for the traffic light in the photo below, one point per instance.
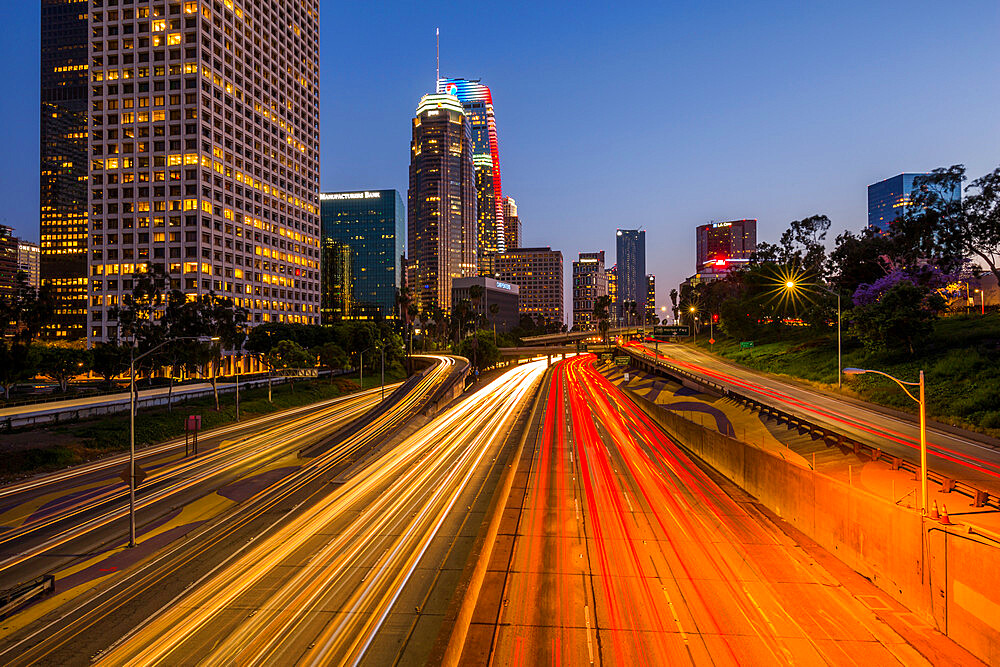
(715, 318)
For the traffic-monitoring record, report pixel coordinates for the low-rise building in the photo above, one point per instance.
(504, 296)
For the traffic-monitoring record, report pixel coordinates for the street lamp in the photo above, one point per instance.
(923, 422)
(131, 427)
(791, 286)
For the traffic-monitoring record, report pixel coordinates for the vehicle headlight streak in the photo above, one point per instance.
(410, 491)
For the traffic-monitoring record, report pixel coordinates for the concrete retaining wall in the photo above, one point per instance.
(947, 575)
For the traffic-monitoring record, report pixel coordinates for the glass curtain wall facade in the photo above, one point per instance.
(477, 100)
(337, 283)
(630, 259)
(372, 224)
(63, 164)
(890, 200)
(441, 202)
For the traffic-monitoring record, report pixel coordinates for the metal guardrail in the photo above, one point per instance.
(13, 599)
(830, 436)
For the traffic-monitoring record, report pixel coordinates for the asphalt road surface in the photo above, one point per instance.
(966, 458)
(627, 553)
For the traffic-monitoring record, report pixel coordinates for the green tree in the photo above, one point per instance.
(109, 360)
(602, 313)
(25, 310)
(902, 315)
(480, 349)
(945, 227)
(289, 355)
(61, 364)
(332, 357)
(17, 364)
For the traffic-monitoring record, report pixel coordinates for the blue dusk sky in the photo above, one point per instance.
(660, 116)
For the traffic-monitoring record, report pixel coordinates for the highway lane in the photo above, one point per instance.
(626, 552)
(320, 589)
(76, 630)
(963, 459)
(77, 510)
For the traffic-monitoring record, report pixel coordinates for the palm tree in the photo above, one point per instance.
(601, 314)
(494, 309)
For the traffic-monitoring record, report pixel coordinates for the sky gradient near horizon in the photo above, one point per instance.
(660, 116)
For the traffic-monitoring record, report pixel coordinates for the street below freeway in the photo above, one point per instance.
(105, 592)
(619, 549)
(327, 587)
(969, 459)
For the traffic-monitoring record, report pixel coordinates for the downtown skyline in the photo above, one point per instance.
(777, 116)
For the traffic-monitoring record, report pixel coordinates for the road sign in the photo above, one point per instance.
(746, 343)
(711, 341)
(192, 423)
(606, 357)
(140, 474)
(622, 361)
(671, 330)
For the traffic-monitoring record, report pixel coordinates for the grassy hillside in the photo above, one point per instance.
(961, 365)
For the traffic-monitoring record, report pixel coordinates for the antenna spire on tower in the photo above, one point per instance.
(437, 35)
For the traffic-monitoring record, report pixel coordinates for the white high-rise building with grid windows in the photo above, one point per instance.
(204, 153)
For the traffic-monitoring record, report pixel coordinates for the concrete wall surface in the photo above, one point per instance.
(947, 575)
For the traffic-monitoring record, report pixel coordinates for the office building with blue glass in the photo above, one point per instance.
(891, 199)
(370, 224)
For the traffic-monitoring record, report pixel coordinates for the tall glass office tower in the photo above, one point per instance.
(890, 200)
(478, 103)
(441, 210)
(63, 164)
(630, 253)
(371, 225)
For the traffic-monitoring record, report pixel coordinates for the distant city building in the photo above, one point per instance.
(441, 202)
(28, 258)
(477, 100)
(630, 259)
(495, 293)
(65, 81)
(612, 274)
(372, 224)
(511, 223)
(337, 281)
(204, 154)
(724, 246)
(538, 272)
(650, 297)
(590, 282)
(8, 261)
(890, 200)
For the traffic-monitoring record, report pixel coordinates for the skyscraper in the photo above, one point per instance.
(590, 282)
(441, 201)
(371, 223)
(612, 274)
(630, 259)
(337, 284)
(538, 272)
(204, 154)
(890, 200)
(63, 161)
(511, 224)
(478, 103)
(8, 262)
(724, 246)
(28, 259)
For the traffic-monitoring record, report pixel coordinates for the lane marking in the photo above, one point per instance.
(590, 644)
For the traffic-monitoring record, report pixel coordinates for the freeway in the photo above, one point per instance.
(124, 586)
(964, 458)
(627, 552)
(80, 509)
(321, 588)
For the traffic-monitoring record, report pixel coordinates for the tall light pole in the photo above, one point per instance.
(791, 286)
(923, 422)
(131, 427)
(694, 323)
